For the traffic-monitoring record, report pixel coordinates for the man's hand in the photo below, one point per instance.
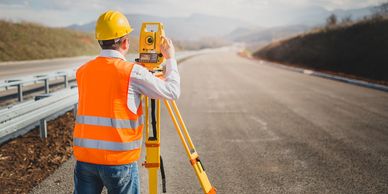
(167, 48)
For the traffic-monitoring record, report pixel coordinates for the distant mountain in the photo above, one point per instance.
(194, 27)
(312, 15)
(89, 27)
(257, 35)
(198, 26)
(299, 21)
(316, 15)
(238, 33)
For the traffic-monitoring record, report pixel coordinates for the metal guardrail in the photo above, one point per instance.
(26, 107)
(18, 119)
(67, 74)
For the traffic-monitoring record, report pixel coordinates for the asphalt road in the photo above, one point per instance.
(262, 129)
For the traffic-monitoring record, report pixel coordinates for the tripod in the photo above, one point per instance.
(154, 160)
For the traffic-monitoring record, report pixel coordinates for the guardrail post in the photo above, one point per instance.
(43, 128)
(66, 82)
(46, 86)
(20, 92)
(75, 110)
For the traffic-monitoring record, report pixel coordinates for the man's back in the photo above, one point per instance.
(106, 131)
(103, 78)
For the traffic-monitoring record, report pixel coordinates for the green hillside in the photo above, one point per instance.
(26, 41)
(358, 49)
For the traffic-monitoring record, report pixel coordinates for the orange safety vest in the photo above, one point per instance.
(106, 131)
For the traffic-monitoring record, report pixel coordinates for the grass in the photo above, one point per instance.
(27, 41)
(358, 49)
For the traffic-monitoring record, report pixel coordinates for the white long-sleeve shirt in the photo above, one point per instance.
(144, 82)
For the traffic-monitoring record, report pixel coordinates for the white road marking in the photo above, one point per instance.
(264, 127)
(308, 72)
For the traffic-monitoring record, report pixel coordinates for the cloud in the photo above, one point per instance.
(66, 12)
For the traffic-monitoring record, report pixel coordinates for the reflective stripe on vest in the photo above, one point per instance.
(107, 145)
(108, 122)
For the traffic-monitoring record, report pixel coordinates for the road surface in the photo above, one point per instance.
(263, 129)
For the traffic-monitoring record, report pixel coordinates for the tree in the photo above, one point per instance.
(381, 10)
(346, 19)
(331, 20)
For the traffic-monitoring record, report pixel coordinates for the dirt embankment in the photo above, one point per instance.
(359, 50)
(28, 41)
(28, 160)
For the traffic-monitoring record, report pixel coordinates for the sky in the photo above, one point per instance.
(60, 13)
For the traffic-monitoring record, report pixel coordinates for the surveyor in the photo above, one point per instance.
(108, 129)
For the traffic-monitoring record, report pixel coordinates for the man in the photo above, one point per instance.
(108, 129)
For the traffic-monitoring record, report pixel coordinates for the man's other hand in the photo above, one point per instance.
(167, 48)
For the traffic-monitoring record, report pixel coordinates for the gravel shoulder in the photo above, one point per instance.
(28, 160)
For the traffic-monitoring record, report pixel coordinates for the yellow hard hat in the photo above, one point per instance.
(111, 25)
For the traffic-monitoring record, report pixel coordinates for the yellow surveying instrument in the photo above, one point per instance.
(151, 57)
(149, 45)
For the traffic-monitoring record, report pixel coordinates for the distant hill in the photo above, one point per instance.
(199, 27)
(254, 38)
(237, 33)
(354, 13)
(299, 21)
(357, 49)
(266, 34)
(192, 28)
(26, 41)
(316, 15)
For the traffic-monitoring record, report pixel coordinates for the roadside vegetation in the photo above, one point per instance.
(351, 48)
(27, 41)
